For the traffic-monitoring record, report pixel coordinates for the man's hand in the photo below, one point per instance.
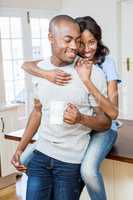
(58, 77)
(84, 67)
(72, 114)
(16, 161)
(37, 105)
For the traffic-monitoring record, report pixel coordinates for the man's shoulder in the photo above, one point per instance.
(45, 64)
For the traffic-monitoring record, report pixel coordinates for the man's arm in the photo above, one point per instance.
(31, 129)
(99, 122)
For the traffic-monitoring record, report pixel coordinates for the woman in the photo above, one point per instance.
(94, 52)
(100, 144)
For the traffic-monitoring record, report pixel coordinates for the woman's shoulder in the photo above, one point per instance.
(110, 69)
(97, 72)
(109, 60)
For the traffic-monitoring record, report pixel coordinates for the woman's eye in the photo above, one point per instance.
(92, 42)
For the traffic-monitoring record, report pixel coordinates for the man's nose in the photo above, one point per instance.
(74, 45)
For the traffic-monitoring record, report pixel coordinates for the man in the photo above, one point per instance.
(54, 171)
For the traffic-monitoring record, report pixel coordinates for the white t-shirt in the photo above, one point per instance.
(66, 142)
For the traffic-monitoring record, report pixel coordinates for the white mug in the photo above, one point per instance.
(56, 112)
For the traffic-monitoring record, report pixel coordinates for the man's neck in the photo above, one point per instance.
(58, 63)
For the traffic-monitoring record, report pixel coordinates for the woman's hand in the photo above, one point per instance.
(58, 77)
(84, 67)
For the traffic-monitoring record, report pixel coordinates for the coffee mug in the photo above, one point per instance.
(56, 112)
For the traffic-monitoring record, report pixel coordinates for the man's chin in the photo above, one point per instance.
(71, 60)
(68, 60)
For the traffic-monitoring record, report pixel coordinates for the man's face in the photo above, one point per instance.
(66, 42)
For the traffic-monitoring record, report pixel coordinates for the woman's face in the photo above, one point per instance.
(88, 45)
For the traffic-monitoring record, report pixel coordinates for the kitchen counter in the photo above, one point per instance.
(121, 151)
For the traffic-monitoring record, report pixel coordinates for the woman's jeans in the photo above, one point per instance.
(51, 179)
(99, 146)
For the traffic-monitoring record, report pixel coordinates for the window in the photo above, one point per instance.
(21, 38)
(12, 58)
(40, 44)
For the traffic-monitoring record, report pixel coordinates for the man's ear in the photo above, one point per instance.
(51, 37)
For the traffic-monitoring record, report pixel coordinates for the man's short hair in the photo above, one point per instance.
(58, 19)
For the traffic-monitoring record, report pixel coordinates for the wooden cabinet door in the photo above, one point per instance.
(7, 149)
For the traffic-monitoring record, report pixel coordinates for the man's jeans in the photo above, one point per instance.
(51, 179)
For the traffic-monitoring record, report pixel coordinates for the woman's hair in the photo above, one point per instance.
(88, 23)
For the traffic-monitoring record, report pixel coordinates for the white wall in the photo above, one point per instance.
(33, 4)
(105, 13)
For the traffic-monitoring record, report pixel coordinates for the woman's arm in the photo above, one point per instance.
(56, 76)
(32, 68)
(108, 105)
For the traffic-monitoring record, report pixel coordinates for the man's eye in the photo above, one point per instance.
(67, 40)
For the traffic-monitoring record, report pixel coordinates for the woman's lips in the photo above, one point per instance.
(88, 55)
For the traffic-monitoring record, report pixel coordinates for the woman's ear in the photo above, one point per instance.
(50, 37)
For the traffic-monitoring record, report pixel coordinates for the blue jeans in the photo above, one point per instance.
(99, 146)
(51, 179)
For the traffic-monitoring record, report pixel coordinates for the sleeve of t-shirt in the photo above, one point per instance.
(109, 68)
(36, 82)
(99, 80)
(37, 90)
